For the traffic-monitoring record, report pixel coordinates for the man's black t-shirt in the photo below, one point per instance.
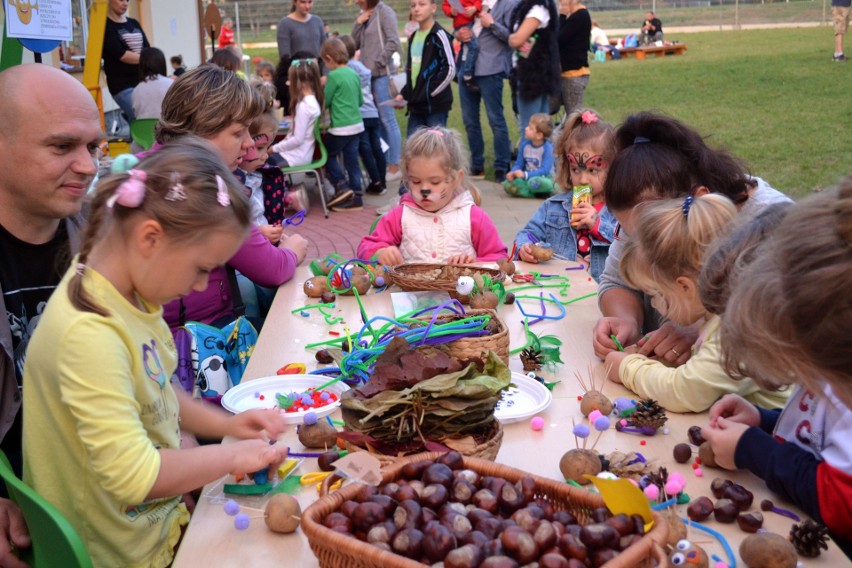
(28, 274)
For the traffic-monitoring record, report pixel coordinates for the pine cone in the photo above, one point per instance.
(649, 413)
(808, 537)
(531, 359)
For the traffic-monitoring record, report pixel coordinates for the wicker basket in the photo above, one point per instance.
(476, 347)
(487, 450)
(438, 277)
(335, 550)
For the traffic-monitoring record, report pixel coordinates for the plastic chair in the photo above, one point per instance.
(314, 167)
(142, 132)
(54, 540)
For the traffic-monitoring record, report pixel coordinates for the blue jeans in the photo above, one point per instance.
(466, 61)
(529, 107)
(124, 102)
(490, 92)
(348, 146)
(370, 150)
(423, 120)
(390, 128)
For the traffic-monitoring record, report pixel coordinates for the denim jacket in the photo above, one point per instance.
(552, 223)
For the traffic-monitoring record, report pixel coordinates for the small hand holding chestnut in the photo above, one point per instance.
(525, 252)
(389, 256)
(723, 438)
(735, 408)
(461, 259)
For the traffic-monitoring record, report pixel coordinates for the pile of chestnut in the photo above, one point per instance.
(732, 501)
(440, 512)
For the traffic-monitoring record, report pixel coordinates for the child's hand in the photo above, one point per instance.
(723, 438)
(525, 252)
(253, 424)
(623, 330)
(469, 11)
(389, 256)
(297, 244)
(734, 408)
(525, 47)
(671, 342)
(462, 259)
(514, 174)
(14, 533)
(271, 232)
(399, 98)
(613, 362)
(584, 215)
(248, 456)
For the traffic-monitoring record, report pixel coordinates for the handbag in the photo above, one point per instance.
(212, 360)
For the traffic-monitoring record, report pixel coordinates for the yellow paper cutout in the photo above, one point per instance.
(621, 496)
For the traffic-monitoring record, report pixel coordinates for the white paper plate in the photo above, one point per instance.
(527, 398)
(246, 395)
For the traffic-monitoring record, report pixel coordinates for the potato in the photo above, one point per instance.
(486, 300)
(315, 287)
(768, 550)
(283, 513)
(320, 435)
(594, 400)
(575, 463)
(541, 251)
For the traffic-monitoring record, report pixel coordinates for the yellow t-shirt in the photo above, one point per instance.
(97, 405)
(698, 383)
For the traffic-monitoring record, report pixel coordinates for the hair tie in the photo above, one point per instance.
(588, 117)
(687, 203)
(222, 192)
(176, 190)
(298, 62)
(436, 132)
(641, 140)
(131, 192)
(80, 268)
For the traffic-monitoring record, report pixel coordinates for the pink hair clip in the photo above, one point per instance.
(176, 189)
(437, 132)
(131, 192)
(222, 192)
(588, 117)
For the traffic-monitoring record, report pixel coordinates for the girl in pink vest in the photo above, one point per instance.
(437, 221)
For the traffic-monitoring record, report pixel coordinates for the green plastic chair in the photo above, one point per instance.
(54, 540)
(142, 132)
(314, 167)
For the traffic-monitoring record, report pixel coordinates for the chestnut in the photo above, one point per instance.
(365, 493)
(383, 532)
(705, 452)
(622, 523)
(452, 507)
(406, 493)
(468, 475)
(601, 557)
(438, 541)
(682, 453)
(382, 546)
(387, 503)
(544, 535)
(638, 524)
(489, 527)
(324, 357)
(434, 496)
(700, 509)
(453, 460)
(485, 499)
(519, 544)
(347, 507)
(476, 514)
(718, 486)
(694, 435)
(389, 489)
(725, 511)
(336, 519)
(574, 563)
(498, 562)
(545, 506)
(407, 514)
(418, 487)
(414, 470)
(463, 490)
(493, 484)
(564, 517)
(599, 536)
(527, 518)
(366, 515)
(552, 560)
(459, 525)
(741, 496)
(510, 498)
(600, 514)
(527, 487)
(467, 556)
(408, 543)
(477, 538)
(750, 522)
(328, 297)
(437, 473)
(427, 515)
(493, 548)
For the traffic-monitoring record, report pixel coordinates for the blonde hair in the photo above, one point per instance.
(188, 162)
(542, 123)
(788, 317)
(304, 72)
(594, 133)
(205, 101)
(334, 50)
(266, 90)
(444, 144)
(671, 238)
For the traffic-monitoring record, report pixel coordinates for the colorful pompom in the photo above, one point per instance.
(594, 415)
(241, 522)
(652, 492)
(232, 507)
(310, 418)
(537, 423)
(602, 423)
(581, 431)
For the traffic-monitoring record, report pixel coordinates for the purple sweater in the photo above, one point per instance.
(258, 260)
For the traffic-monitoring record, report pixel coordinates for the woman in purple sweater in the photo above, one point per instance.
(218, 106)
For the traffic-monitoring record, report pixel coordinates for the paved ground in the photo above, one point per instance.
(342, 231)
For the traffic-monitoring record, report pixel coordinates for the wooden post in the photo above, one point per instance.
(94, 52)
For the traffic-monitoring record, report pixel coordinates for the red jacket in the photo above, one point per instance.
(462, 19)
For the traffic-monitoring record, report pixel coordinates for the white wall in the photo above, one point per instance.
(173, 27)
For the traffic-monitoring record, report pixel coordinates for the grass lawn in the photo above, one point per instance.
(773, 97)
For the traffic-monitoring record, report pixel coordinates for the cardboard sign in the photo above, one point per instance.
(360, 466)
(212, 21)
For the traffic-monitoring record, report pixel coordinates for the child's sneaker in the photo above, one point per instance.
(841, 57)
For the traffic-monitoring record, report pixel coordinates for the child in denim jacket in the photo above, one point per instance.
(583, 232)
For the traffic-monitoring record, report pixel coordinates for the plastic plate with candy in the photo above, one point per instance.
(264, 393)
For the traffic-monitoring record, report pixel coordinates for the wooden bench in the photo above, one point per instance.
(643, 52)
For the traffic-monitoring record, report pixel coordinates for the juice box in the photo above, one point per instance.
(580, 194)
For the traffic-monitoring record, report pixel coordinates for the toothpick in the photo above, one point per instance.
(576, 444)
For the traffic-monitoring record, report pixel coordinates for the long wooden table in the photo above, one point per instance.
(212, 541)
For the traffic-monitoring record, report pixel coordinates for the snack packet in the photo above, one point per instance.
(581, 194)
